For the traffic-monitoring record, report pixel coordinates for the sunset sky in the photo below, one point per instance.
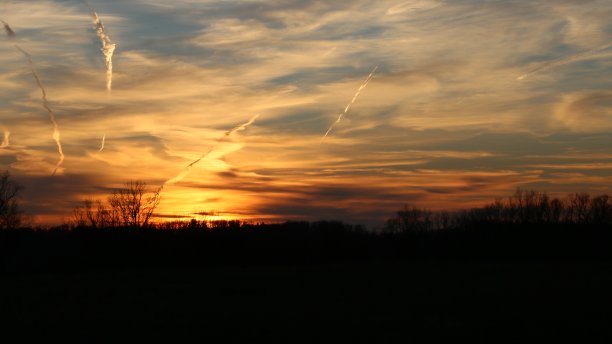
(471, 99)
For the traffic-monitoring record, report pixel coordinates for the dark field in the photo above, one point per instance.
(308, 284)
(375, 303)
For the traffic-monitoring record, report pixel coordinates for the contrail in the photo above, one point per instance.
(564, 61)
(348, 107)
(9, 32)
(186, 170)
(108, 48)
(56, 132)
(102, 145)
(5, 140)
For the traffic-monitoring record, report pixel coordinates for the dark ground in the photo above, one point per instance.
(301, 283)
(510, 302)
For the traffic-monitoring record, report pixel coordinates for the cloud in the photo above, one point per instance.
(585, 112)
(186, 170)
(413, 5)
(590, 53)
(445, 123)
(46, 196)
(5, 138)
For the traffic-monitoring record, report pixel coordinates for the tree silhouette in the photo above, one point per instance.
(412, 219)
(95, 214)
(131, 206)
(525, 208)
(601, 210)
(10, 215)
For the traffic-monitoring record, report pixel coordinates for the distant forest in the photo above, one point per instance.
(119, 233)
(133, 206)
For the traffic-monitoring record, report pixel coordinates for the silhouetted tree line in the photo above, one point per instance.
(524, 208)
(236, 243)
(119, 233)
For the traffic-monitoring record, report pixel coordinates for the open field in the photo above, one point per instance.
(383, 303)
(308, 285)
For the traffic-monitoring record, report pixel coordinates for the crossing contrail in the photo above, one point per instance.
(348, 107)
(108, 48)
(186, 170)
(45, 102)
(9, 32)
(564, 61)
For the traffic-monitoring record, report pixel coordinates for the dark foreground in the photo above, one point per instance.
(392, 303)
(308, 288)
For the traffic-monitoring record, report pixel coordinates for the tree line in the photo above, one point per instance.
(133, 206)
(524, 208)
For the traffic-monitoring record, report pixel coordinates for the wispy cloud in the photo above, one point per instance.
(573, 58)
(585, 111)
(413, 5)
(5, 139)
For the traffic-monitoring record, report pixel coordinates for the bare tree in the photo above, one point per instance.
(412, 220)
(600, 211)
(10, 215)
(94, 214)
(556, 211)
(78, 218)
(131, 205)
(578, 207)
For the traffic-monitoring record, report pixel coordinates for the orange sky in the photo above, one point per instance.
(470, 100)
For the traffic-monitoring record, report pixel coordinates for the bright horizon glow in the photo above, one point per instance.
(470, 100)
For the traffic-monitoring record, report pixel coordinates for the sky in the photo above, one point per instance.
(470, 100)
